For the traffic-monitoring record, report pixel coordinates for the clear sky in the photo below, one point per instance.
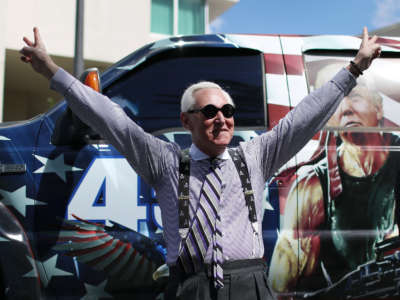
(307, 16)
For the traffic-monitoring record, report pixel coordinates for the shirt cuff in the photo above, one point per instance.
(345, 80)
(61, 81)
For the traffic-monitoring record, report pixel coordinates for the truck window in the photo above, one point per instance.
(154, 88)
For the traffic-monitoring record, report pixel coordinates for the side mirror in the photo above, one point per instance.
(69, 129)
(91, 77)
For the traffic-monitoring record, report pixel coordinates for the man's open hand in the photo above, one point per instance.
(35, 53)
(369, 50)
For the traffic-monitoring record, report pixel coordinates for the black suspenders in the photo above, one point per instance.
(241, 167)
(183, 189)
(183, 193)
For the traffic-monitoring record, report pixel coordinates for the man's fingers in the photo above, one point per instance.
(38, 38)
(377, 52)
(36, 35)
(26, 59)
(27, 51)
(377, 47)
(28, 41)
(365, 35)
(373, 39)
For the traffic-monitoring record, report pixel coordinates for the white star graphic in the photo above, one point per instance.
(4, 138)
(32, 273)
(4, 239)
(56, 165)
(266, 204)
(47, 269)
(19, 200)
(96, 292)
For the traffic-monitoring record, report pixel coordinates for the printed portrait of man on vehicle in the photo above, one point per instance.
(340, 219)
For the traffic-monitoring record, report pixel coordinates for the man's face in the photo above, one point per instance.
(210, 135)
(357, 110)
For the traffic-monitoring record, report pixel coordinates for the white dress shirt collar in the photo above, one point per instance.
(197, 154)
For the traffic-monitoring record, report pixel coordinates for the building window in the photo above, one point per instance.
(162, 16)
(191, 17)
(178, 16)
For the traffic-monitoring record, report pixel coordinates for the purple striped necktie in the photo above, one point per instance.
(214, 178)
(205, 230)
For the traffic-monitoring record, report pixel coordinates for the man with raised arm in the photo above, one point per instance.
(212, 229)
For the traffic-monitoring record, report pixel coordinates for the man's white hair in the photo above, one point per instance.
(188, 101)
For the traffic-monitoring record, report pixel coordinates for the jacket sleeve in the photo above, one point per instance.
(146, 153)
(274, 148)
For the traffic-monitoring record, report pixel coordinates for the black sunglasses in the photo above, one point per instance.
(210, 111)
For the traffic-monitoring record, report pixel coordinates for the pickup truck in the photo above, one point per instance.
(78, 223)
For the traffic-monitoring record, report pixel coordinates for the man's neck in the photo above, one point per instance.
(211, 152)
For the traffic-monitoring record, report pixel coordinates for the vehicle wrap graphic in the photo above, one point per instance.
(341, 203)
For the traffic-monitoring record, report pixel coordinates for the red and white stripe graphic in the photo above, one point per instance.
(286, 83)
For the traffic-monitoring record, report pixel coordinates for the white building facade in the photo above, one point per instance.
(112, 30)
